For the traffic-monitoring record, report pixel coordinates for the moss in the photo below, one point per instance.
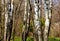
(42, 21)
(20, 25)
(31, 26)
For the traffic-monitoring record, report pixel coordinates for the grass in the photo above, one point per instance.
(16, 39)
(54, 39)
(31, 39)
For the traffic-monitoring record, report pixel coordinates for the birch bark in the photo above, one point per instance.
(47, 8)
(37, 23)
(10, 18)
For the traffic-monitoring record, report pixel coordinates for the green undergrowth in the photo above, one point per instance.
(54, 39)
(31, 39)
(16, 39)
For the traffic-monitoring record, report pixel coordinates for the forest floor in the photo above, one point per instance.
(31, 39)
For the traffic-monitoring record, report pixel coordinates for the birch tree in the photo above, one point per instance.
(8, 19)
(26, 19)
(28, 15)
(47, 4)
(37, 23)
(25, 22)
(50, 15)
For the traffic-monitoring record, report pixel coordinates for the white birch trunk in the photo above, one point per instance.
(50, 15)
(47, 9)
(10, 18)
(46, 3)
(37, 24)
(50, 7)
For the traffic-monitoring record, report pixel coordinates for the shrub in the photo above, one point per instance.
(30, 39)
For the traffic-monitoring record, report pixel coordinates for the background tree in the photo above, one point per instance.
(6, 19)
(24, 32)
(0, 20)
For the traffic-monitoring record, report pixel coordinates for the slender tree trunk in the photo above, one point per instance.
(2, 3)
(50, 15)
(0, 21)
(46, 7)
(28, 17)
(50, 9)
(47, 4)
(6, 19)
(13, 29)
(25, 23)
(10, 19)
(37, 23)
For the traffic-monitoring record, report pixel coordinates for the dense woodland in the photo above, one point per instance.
(29, 20)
